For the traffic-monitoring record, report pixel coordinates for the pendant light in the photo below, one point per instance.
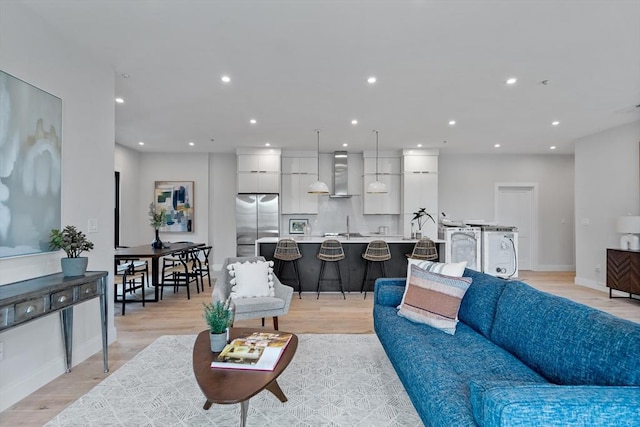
(376, 186)
(318, 187)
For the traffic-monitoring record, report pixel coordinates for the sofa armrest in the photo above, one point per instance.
(518, 404)
(389, 291)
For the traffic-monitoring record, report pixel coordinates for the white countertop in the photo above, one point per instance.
(343, 240)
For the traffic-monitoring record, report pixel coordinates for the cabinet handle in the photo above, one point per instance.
(30, 309)
(63, 298)
(87, 291)
(254, 171)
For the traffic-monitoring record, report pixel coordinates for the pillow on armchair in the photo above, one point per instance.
(251, 279)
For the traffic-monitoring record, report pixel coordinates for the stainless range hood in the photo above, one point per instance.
(340, 175)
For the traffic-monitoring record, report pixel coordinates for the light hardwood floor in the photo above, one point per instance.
(176, 315)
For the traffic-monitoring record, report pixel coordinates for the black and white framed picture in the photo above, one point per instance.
(296, 226)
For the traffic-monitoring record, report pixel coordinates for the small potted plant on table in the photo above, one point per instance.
(219, 316)
(73, 242)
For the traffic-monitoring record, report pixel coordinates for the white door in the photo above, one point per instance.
(517, 205)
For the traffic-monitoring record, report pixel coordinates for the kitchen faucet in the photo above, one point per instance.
(347, 227)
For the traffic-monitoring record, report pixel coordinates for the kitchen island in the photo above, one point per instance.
(352, 267)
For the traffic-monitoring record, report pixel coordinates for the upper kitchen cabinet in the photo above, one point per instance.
(420, 186)
(389, 173)
(258, 170)
(298, 173)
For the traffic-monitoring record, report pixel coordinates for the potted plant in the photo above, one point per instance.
(421, 218)
(219, 316)
(73, 242)
(156, 220)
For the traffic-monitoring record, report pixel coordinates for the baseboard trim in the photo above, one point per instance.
(560, 267)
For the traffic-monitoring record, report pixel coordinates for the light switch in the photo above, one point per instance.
(92, 225)
(585, 221)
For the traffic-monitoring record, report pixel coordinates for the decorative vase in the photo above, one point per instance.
(157, 243)
(418, 235)
(218, 341)
(74, 266)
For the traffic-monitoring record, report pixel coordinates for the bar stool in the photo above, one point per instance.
(424, 249)
(330, 251)
(287, 251)
(377, 252)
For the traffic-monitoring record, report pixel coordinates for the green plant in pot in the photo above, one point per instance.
(219, 317)
(421, 218)
(73, 242)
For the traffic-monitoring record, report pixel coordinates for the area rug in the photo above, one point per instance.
(333, 380)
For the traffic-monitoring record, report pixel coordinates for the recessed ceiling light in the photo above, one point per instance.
(511, 80)
(354, 122)
(225, 79)
(496, 145)
(345, 145)
(253, 121)
(140, 143)
(267, 144)
(553, 147)
(119, 100)
(452, 122)
(191, 143)
(419, 145)
(371, 80)
(555, 123)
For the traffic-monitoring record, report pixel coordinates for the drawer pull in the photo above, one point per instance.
(62, 299)
(30, 309)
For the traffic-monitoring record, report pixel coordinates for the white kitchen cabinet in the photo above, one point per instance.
(298, 173)
(258, 173)
(420, 188)
(388, 173)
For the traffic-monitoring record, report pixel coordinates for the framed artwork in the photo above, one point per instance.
(296, 226)
(176, 199)
(30, 167)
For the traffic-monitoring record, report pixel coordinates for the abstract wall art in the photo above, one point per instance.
(30, 166)
(176, 199)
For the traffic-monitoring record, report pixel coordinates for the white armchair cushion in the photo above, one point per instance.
(251, 279)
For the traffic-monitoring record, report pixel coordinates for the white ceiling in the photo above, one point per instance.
(302, 64)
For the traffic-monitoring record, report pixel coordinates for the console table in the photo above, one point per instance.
(24, 301)
(623, 271)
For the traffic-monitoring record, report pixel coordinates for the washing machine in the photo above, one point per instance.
(500, 251)
(462, 244)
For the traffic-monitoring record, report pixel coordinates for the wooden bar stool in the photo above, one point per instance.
(424, 249)
(330, 251)
(377, 252)
(287, 251)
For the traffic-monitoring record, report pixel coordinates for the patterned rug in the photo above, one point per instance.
(333, 380)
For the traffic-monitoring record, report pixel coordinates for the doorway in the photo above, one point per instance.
(517, 205)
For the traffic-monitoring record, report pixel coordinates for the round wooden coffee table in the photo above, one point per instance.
(227, 386)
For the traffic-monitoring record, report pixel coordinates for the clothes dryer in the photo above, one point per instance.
(500, 251)
(462, 244)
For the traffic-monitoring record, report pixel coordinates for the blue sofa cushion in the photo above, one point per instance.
(478, 307)
(566, 342)
(436, 368)
(503, 403)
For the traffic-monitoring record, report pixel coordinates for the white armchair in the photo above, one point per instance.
(258, 307)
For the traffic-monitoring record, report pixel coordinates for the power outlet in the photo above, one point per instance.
(1, 350)
(598, 268)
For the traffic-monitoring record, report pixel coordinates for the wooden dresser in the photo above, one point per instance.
(623, 271)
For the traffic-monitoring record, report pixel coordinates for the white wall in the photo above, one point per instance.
(172, 167)
(127, 162)
(607, 186)
(33, 52)
(466, 189)
(222, 207)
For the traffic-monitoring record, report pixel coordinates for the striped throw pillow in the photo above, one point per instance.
(433, 299)
(448, 269)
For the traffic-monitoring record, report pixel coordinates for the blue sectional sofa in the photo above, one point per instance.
(519, 357)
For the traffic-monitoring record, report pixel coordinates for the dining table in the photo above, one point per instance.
(154, 254)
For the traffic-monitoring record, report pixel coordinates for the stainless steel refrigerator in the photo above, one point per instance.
(257, 216)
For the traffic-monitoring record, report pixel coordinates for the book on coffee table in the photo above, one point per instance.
(258, 351)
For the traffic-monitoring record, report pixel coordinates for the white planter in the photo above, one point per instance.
(218, 341)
